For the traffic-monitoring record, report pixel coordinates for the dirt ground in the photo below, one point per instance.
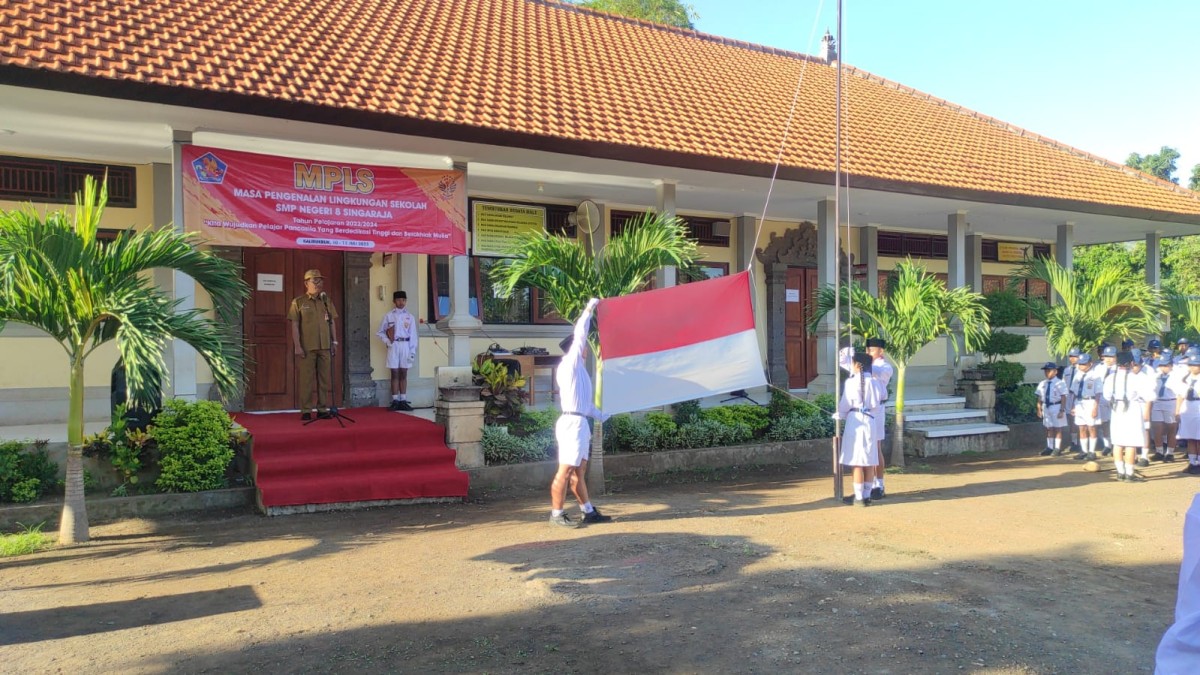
(999, 563)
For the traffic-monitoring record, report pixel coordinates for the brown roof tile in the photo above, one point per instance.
(544, 70)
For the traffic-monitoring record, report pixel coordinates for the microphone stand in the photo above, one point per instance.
(334, 412)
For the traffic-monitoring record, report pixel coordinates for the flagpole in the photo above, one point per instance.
(838, 481)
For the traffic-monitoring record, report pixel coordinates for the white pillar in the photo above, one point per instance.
(1154, 259)
(179, 356)
(460, 325)
(665, 276)
(827, 275)
(1064, 249)
(956, 273)
(868, 252)
(974, 265)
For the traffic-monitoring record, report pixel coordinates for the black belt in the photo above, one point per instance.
(863, 412)
(576, 414)
(400, 340)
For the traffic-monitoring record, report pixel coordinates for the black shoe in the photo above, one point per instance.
(1158, 457)
(1135, 477)
(1107, 453)
(405, 406)
(862, 502)
(876, 493)
(595, 517)
(1057, 452)
(394, 405)
(564, 521)
(1189, 468)
(1142, 462)
(324, 415)
(1046, 452)
(306, 417)
(1169, 457)
(1081, 455)
(1091, 457)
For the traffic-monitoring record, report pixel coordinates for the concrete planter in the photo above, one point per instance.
(1030, 435)
(459, 394)
(107, 509)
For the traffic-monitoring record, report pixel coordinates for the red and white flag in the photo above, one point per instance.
(679, 343)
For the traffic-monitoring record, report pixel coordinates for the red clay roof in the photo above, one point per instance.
(541, 74)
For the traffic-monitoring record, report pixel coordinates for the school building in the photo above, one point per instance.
(576, 120)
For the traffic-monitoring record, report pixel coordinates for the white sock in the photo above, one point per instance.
(587, 507)
(397, 397)
(1057, 443)
(1170, 451)
(402, 397)
(1120, 467)
(1089, 445)
(554, 513)
(878, 482)
(859, 488)
(1049, 443)
(1145, 452)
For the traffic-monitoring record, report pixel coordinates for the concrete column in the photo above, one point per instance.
(1154, 259)
(868, 252)
(975, 262)
(956, 273)
(741, 242)
(459, 326)
(358, 387)
(1064, 249)
(827, 275)
(594, 242)
(665, 276)
(776, 281)
(168, 212)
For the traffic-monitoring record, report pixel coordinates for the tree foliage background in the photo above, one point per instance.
(669, 12)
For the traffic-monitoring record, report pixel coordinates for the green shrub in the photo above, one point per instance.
(30, 540)
(713, 434)
(534, 421)
(501, 447)
(825, 402)
(194, 444)
(1006, 308)
(688, 411)
(753, 416)
(662, 428)
(800, 427)
(1000, 343)
(1017, 405)
(1008, 374)
(26, 471)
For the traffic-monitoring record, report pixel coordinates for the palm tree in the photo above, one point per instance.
(1112, 305)
(917, 310)
(1187, 308)
(57, 276)
(564, 271)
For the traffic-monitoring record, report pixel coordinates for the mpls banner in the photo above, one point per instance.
(245, 199)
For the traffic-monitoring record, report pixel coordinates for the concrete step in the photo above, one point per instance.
(930, 404)
(937, 419)
(955, 439)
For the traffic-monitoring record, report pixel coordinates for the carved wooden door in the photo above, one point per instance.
(801, 344)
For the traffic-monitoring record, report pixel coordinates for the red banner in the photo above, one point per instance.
(246, 199)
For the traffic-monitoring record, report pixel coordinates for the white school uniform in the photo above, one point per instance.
(1166, 389)
(861, 394)
(882, 371)
(1085, 393)
(1189, 413)
(1127, 394)
(402, 348)
(1053, 395)
(1101, 372)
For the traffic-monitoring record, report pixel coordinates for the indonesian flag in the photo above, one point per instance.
(679, 343)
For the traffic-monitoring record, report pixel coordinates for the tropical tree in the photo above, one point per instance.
(669, 12)
(57, 276)
(1109, 305)
(917, 309)
(569, 276)
(1186, 309)
(1160, 164)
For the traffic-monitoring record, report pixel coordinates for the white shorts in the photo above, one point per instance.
(1083, 419)
(1050, 418)
(574, 438)
(400, 355)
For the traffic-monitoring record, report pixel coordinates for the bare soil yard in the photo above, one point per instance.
(1001, 563)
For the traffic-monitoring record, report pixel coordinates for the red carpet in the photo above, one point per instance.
(384, 455)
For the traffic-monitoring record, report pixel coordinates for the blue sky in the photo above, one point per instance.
(1107, 76)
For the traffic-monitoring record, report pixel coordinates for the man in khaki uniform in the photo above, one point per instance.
(312, 317)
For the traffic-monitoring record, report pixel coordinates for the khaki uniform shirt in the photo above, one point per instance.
(314, 324)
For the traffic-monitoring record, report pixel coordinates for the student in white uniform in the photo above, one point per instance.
(1052, 408)
(882, 371)
(1144, 368)
(1129, 397)
(1163, 424)
(398, 330)
(861, 394)
(1085, 406)
(1108, 363)
(1067, 375)
(1187, 411)
(571, 431)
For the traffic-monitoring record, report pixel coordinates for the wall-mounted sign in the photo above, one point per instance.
(246, 199)
(1013, 251)
(793, 295)
(498, 226)
(270, 282)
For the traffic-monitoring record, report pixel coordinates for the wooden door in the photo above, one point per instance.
(801, 345)
(271, 363)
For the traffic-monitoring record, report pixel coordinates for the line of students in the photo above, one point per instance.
(1136, 407)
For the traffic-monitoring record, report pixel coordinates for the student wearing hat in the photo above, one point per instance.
(1187, 411)
(1129, 397)
(1154, 346)
(313, 318)
(861, 394)
(882, 371)
(1180, 355)
(1086, 407)
(1051, 407)
(1162, 414)
(1068, 377)
(398, 330)
(1107, 366)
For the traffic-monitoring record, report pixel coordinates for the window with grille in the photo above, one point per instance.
(707, 231)
(47, 180)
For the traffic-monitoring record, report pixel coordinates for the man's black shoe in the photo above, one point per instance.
(324, 415)
(1158, 457)
(1046, 452)
(1081, 455)
(306, 417)
(1169, 457)
(395, 405)
(595, 517)
(405, 406)
(876, 493)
